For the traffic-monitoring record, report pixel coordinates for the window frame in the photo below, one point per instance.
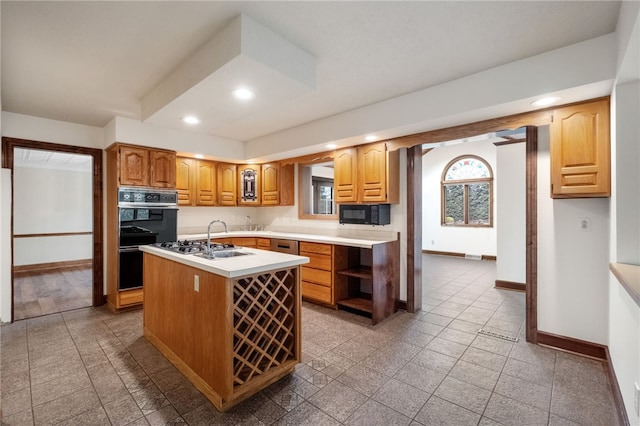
(465, 183)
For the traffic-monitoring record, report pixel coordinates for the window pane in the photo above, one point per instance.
(454, 204)
(467, 168)
(479, 204)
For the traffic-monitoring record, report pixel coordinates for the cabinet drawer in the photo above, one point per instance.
(130, 297)
(244, 242)
(316, 292)
(318, 261)
(316, 276)
(263, 243)
(315, 248)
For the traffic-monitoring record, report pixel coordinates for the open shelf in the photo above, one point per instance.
(362, 304)
(361, 272)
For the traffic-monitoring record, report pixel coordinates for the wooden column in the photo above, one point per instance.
(414, 228)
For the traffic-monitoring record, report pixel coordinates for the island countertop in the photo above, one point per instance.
(255, 262)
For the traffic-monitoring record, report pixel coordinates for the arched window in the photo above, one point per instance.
(467, 192)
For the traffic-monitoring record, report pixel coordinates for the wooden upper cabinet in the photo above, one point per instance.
(270, 184)
(134, 166)
(287, 185)
(580, 151)
(372, 173)
(186, 181)
(206, 183)
(162, 169)
(138, 166)
(227, 184)
(366, 174)
(249, 185)
(345, 175)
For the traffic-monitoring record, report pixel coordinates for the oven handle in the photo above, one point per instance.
(125, 205)
(128, 249)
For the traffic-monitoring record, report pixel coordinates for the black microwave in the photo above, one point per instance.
(365, 214)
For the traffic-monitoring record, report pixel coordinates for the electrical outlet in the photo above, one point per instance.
(196, 282)
(636, 400)
(585, 224)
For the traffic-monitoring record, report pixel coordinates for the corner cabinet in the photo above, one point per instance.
(366, 174)
(138, 166)
(580, 151)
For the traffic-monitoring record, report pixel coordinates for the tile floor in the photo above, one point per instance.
(90, 367)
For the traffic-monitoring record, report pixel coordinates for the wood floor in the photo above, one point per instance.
(49, 291)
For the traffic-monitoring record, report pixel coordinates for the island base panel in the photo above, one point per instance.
(215, 398)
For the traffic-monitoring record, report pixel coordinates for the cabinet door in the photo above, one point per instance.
(580, 154)
(287, 184)
(186, 181)
(226, 184)
(372, 173)
(134, 166)
(270, 184)
(249, 185)
(206, 183)
(162, 169)
(345, 175)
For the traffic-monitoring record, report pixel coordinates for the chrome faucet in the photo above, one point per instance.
(209, 234)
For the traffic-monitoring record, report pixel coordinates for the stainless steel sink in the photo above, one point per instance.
(222, 254)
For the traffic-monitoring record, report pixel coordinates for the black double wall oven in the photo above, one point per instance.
(146, 216)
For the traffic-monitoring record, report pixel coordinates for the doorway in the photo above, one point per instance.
(56, 226)
(414, 207)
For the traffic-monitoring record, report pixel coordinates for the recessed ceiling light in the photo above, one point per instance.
(243, 93)
(545, 101)
(198, 156)
(371, 138)
(331, 146)
(191, 119)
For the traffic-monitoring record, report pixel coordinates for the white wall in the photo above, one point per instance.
(624, 313)
(573, 271)
(511, 190)
(52, 201)
(470, 240)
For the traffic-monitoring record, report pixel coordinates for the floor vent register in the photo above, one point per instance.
(497, 335)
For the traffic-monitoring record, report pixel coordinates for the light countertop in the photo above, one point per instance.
(232, 267)
(313, 238)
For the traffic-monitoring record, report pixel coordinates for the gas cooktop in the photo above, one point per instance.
(192, 247)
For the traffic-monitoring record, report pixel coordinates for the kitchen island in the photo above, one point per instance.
(230, 325)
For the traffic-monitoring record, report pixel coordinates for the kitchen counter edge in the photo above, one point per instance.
(256, 262)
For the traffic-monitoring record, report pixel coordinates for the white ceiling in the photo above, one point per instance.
(41, 159)
(87, 62)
